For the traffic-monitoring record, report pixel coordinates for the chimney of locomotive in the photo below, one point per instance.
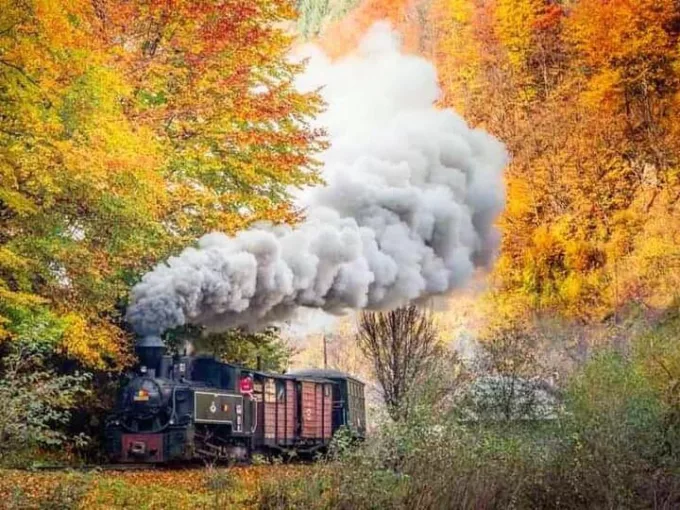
(150, 350)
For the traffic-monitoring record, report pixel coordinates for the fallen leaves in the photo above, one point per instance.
(197, 488)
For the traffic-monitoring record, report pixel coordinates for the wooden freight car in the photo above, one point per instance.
(349, 407)
(292, 411)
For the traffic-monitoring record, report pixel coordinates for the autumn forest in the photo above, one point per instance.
(585, 95)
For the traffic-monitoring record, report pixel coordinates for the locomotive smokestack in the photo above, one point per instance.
(150, 350)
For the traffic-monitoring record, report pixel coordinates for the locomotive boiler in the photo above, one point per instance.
(197, 407)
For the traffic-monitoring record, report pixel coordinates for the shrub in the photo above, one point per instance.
(603, 448)
(35, 402)
(611, 438)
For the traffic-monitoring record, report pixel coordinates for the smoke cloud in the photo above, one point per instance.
(408, 210)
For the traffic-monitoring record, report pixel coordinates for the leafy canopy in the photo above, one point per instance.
(586, 96)
(127, 129)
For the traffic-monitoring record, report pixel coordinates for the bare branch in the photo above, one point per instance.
(401, 345)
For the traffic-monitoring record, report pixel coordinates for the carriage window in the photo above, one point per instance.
(280, 390)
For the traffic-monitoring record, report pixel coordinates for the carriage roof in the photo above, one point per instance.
(325, 373)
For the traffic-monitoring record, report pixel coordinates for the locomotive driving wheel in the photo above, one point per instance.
(211, 447)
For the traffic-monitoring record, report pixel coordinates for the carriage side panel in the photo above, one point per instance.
(280, 411)
(317, 409)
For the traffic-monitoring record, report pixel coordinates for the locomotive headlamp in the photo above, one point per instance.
(141, 396)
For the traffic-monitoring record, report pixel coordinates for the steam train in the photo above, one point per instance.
(183, 408)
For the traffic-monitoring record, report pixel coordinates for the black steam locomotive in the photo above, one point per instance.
(196, 407)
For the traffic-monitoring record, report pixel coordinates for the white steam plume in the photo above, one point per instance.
(412, 193)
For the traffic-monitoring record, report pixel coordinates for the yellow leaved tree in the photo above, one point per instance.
(127, 129)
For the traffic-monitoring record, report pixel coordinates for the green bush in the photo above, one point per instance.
(36, 403)
(606, 446)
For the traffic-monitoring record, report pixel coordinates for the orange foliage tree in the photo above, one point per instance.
(128, 128)
(585, 95)
(406, 16)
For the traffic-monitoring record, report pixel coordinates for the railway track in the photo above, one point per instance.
(94, 467)
(115, 467)
(197, 465)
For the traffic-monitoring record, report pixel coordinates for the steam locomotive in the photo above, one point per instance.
(182, 408)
